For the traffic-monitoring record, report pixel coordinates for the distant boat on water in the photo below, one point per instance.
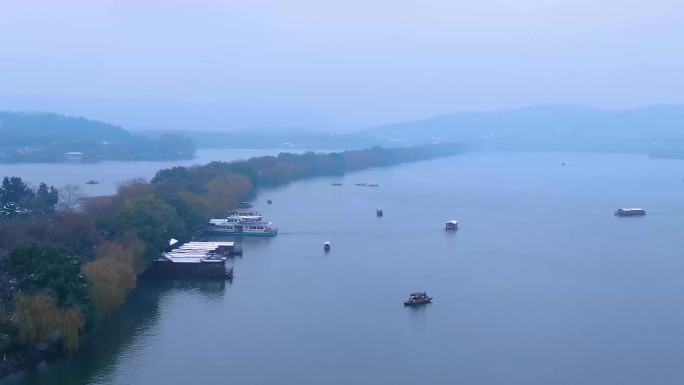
(631, 212)
(451, 225)
(417, 299)
(92, 181)
(363, 184)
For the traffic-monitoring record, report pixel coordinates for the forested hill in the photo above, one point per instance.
(48, 137)
(655, 130)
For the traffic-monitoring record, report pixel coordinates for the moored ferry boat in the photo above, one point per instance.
(238, 223)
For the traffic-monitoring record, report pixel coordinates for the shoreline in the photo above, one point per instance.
(258, 173)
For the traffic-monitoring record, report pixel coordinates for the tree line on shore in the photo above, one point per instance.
(66, 263)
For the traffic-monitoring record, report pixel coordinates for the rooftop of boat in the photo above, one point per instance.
(196, 252)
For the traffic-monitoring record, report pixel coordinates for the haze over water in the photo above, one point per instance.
(334, 65)
(111, 174)
(542, 284)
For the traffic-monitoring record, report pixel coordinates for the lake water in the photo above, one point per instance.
(112, 174)
(542, 284)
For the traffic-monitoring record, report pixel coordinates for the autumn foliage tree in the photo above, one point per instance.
(39, 319)
(112, 275)
(224, 193)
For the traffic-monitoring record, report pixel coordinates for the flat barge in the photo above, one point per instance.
(206, 260)
(632, 212)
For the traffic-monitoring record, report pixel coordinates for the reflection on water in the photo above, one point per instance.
(253, 241)
(134, 324)
(210, 289)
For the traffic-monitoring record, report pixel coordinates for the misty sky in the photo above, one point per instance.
(336, 64)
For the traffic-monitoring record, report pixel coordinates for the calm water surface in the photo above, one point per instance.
(541, 285)
(112, 174)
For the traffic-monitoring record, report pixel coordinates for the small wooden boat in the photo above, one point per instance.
(417, 299)
(269, 201)
(244, 205)
(92, 181)
(326, 246)
(336, 184)
(452, 225)
(378, 213)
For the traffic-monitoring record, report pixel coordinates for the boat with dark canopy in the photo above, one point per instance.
(417, 299)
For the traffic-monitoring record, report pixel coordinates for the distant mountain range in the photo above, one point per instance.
(285, 139)
(656, 130)
(47, 137)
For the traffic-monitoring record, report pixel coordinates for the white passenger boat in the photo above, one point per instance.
(238, 223)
